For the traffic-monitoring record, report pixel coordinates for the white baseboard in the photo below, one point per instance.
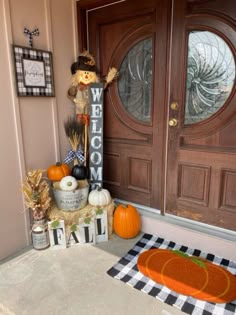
(211, 239)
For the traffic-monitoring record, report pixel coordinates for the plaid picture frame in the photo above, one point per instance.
(34, 72)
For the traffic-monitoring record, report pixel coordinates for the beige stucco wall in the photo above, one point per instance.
(31, 128)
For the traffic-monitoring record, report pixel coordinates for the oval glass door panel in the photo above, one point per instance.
(135, 81)
(210, 75)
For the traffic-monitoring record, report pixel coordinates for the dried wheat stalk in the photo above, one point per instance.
(74, 131)
(36, 193)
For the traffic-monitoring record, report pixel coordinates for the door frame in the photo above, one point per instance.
(171, 75)
(83, 7)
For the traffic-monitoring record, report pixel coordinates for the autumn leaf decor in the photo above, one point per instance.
(99, 211)
(73, 227)
(188, 275)
(55, 224)
(87, 220)
(36, 193)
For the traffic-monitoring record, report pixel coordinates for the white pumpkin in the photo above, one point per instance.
(68, 183)
(99, 197)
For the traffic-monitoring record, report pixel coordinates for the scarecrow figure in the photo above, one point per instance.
(84, 72)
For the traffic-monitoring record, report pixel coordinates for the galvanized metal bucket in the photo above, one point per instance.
(71, 200)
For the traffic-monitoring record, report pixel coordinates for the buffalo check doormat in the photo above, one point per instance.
(127, 271)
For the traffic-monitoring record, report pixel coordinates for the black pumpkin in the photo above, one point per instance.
(79, 172)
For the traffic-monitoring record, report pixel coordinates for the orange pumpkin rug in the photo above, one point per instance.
(188, 275)
(189, 279)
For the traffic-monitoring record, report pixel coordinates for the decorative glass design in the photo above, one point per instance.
(135, 81)
(210, 75)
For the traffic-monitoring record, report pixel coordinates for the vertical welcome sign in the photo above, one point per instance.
(96, 135)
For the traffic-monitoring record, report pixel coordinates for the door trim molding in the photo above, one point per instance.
(168, 106)
(93, 9)
(199, 227)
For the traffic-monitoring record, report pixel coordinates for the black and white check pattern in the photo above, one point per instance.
(21, 53)
(126, 270)
(31, 34)
(71, 155)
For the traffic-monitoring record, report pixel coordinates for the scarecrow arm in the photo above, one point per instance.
(111, 76)
(72, 93)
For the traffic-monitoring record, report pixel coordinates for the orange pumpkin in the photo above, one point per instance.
(188, 275)
(57, 171)
(126, 221)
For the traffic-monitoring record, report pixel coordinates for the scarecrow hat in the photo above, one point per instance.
(85, 62)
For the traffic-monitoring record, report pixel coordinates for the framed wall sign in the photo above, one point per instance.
(34, 72)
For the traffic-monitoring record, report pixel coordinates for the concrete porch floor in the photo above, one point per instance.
(73, 281)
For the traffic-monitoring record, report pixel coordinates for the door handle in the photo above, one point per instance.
(173, 122)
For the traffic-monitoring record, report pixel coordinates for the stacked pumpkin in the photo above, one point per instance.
(68, 180)
(70, 196)
(70, 187)
(59, 170)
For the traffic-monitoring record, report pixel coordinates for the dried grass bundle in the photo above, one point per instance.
(74, 132)
(112, 75)
(37, 194)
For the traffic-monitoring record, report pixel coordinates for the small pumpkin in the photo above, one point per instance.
(57, 171)
(126, 221)
(68, 183)
(79, 172)
(99, 197)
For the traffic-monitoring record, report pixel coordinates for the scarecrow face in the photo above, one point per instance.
(86, 77)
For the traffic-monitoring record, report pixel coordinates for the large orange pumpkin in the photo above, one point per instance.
(57, 171)
(188, 275)
(126, 221)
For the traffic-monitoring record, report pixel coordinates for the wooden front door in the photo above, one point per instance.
(201, 167)
(135, 41)
(169, 118)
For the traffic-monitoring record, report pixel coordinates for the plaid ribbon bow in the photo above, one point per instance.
(31, 34)
(74, 154)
